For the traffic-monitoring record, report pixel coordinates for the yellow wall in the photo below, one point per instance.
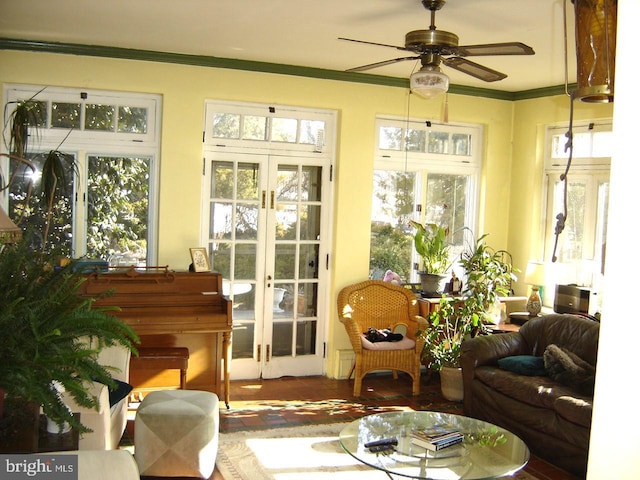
(509, 190)
(525, 218)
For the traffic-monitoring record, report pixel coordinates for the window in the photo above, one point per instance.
(580, 247)
(110, 144)
(425, 172)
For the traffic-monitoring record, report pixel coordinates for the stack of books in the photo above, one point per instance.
(436, 438)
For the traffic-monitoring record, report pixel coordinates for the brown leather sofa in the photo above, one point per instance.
(552, 417)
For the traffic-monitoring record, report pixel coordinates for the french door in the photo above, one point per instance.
(267, 223)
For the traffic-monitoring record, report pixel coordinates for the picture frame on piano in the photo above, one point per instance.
(199, 259)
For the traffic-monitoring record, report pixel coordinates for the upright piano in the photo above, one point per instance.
(172, 309)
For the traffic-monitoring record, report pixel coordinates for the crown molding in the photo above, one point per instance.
(255, 66)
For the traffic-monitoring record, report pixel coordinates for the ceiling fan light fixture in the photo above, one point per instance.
(429, 82)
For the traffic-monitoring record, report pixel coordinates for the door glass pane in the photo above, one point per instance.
(247, 182)
(245, 261)
(132, 119)
(99, 117)
(286, 222)
(307, 299)
(285, 261)
(282, 339)
(287, 186)
(65, 115)
(308, 261)
(220, 257)
(222, 180)
(243, 337)
(310, 222)
(246, 221)
(306, 337)
(220, 225)
(284, 130)
(311, 184)
(118, 209)
(32, 208)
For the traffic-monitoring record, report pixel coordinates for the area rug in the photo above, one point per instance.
(306, 452)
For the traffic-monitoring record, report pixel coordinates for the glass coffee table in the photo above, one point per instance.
(487, 451)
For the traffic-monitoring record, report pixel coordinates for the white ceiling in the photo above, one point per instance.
(305, 32)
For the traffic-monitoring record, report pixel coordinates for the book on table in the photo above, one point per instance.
(436, 438)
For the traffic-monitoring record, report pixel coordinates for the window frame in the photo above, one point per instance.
(425, 163)
(87, 143)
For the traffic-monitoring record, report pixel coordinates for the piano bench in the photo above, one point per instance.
(163, 358)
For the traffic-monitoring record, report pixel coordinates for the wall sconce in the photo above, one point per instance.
(596, 22)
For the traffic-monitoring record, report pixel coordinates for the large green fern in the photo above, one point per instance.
(42, 320)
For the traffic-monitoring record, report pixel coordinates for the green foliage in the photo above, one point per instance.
(489, 276)
(42, 319)
(390, 250)
(431, 243)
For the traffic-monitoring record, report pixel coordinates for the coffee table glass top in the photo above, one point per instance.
(487, 451)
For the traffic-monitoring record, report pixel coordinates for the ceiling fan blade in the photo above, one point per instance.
(381, 64)
(508, 48)
(374, 43)
(474, 69)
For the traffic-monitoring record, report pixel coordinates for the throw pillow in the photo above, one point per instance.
(121, 391)
(569, 369)
(523, 364)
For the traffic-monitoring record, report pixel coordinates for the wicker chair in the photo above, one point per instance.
(378, 304)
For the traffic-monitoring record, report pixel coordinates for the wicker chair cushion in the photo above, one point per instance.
(404, 344)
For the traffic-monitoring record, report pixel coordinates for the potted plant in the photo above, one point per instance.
(44, 321)
(489, 275)
(431, 244)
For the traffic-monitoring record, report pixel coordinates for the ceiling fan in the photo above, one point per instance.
(433, 47)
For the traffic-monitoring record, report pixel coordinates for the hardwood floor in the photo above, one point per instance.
(294, 401)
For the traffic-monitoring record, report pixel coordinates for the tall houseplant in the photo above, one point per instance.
(431, 244)
(489, 275)
(45, 322)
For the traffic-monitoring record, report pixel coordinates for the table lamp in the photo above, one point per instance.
(534, 276)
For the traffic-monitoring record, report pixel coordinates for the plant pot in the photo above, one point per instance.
(19, 426)
(451, 383)
(433, 284)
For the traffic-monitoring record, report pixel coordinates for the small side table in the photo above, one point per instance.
(520, 318)
(57, 442)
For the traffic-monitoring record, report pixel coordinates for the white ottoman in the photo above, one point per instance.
(176, 434)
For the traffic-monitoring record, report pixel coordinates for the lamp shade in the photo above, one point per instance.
(9, 232)
(535, 273)
(596, 22)
(429, 82)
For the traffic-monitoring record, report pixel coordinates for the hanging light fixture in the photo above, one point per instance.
(595, 49)
(429, 81)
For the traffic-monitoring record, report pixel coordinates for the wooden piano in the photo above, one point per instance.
(172, 309)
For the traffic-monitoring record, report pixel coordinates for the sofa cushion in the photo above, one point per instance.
(523, 364)
(567, 368)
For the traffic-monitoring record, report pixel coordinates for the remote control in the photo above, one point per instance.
(382, 442)
(381, 448)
